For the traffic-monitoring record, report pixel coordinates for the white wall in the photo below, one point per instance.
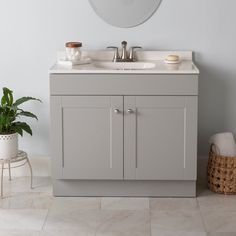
(31, 31)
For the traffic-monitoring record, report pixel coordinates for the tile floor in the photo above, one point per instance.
(38, 213)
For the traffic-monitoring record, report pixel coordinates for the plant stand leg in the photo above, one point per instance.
(9, 169)
(31, 174)
(2, 179)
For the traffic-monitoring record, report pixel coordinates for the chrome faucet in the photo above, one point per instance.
(124, 54)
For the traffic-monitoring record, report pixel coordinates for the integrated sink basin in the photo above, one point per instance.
(125, 65)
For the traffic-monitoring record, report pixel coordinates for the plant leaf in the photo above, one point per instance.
(23, 126)
(18, 130)
(27, 113)
(1, 124)
(3, 101)
(24, 99)
(7, 98)
(10, 96)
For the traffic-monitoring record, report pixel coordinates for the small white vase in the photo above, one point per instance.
(8, 146)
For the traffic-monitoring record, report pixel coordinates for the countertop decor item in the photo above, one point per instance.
(73, 52)
(10, 127)
(221, 172)
(22, 159)
(66, 62)
(172, 59)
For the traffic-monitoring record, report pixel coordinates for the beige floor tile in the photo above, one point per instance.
(103, 222)
(20, 233)
(4, 203)
(124, 223)
(189, 221)
(219, 221)
(221, 234)
(66, 233)
(217, 202)
(22, 219)
(115, 203)
(82, 220)
(30, 200)
(176, 233)
(22, 184)
(173, 204)
(75, 203)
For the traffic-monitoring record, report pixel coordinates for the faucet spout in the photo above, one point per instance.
(124, 56)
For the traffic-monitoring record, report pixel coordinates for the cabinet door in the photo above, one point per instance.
(160, 139)
(92, 137)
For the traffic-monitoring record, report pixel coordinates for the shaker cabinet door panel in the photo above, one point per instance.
(156, 137)
(92, 137)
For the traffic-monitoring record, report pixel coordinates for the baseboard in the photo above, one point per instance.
(41, 166)
(202, 170)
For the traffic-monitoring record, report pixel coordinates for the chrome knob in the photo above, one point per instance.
(117, 111)
(130, 111)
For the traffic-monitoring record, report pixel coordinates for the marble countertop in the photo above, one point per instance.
(186, 66)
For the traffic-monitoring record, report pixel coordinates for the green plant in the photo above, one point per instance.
(10, 112)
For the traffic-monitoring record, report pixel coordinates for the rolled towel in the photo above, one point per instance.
(224, 144)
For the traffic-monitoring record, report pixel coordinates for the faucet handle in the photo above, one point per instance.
(116, 53)
(131, 54)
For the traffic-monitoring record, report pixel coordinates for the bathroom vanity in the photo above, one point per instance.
(125, 132)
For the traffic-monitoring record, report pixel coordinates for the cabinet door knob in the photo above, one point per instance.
(130, 111)
(117, 111)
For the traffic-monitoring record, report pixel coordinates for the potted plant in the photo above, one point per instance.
(10, 127)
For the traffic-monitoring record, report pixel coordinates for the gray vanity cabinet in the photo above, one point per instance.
(139, 139)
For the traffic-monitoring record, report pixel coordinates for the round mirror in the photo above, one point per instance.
(125, 13)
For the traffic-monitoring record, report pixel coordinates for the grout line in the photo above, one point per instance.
(100, 205)
(203, 222)
(150, 216)
(45, 220)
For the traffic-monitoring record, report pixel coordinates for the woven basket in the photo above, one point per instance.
(221, 172)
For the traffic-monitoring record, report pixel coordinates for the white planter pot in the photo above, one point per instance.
(8, 146)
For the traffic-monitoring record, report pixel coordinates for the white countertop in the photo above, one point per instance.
(186, 66)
